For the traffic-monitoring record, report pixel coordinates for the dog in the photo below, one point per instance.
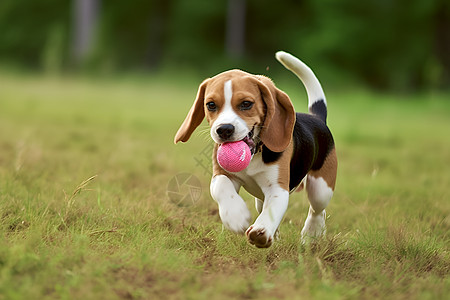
(287, 149)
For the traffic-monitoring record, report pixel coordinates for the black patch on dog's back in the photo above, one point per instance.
(312, 143)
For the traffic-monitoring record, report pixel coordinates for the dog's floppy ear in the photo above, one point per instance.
(194, 117)
(276, 133)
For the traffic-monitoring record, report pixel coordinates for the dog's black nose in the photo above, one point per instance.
(225, 131)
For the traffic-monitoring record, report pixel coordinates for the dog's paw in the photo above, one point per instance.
(314, 227)
(259, 237)
(235, 218)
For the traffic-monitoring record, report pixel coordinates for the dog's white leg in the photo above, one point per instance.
(262, 232)
(259, 207)
(233, 211)
(319, 195)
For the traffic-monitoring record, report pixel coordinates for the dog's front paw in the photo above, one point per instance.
(235, 218)
(259, 236)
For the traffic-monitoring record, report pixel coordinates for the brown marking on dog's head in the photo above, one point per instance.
(246, 100)
(254, 99)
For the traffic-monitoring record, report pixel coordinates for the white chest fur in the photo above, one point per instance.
(258, 177)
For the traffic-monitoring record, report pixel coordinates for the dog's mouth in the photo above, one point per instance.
(249, 140)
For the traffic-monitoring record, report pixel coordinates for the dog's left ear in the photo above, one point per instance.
(276, 133)
(194, 117)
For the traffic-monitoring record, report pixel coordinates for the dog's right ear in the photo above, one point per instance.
(194, 117)
(276, 133)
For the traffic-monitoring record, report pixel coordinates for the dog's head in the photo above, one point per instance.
(241, 106)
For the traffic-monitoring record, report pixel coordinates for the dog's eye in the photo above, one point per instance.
(211, 106)
(246, 105)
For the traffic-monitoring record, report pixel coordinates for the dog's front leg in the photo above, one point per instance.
(262, 232)
(233, 211)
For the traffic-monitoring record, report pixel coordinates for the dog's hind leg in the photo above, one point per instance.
(320, 187)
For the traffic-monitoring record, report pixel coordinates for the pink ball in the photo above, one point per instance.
(234, 156)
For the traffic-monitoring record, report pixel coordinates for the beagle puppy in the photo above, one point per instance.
(287, 147)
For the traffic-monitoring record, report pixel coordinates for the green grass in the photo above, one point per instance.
(66, 234)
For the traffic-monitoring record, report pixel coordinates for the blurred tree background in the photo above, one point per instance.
(385, 44)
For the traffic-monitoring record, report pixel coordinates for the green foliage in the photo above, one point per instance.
(389, 43)
(129, 32)
(29, 28)
(400, 45)
(196, 33)
(68, 234)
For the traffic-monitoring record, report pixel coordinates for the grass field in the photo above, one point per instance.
(84, 214)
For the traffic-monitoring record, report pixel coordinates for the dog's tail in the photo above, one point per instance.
(317, 103)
